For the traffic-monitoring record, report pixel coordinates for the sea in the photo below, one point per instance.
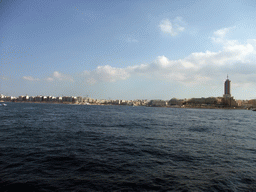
(58, 147)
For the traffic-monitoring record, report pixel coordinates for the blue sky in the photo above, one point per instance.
(128, 49)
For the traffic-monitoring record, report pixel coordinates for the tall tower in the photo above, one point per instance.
(228, 100)
(227, 87)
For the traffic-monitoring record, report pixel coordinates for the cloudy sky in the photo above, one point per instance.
(128, 49)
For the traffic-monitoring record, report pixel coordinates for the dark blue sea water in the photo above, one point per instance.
(51, 147)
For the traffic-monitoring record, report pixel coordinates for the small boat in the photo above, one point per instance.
(254, 109)
(4, 104)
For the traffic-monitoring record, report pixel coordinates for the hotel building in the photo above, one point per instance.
(228, 100)
(227, 87)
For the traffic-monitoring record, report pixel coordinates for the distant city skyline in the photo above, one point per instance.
(128, 49)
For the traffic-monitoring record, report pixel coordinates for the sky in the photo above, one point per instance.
(128, 49)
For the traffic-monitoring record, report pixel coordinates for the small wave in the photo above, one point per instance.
(198, 129)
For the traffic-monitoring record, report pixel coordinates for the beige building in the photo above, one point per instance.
(252, 102)
(229, 101)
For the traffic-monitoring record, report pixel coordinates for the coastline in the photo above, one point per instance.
(168, 106)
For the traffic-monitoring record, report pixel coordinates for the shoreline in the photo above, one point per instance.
(177, 107)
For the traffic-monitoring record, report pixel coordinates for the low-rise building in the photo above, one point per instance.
(31, 99)
(38, 98)
(175, 101)
(80, 99)
(157, 103)
(229, 101)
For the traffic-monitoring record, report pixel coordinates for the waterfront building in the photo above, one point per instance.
(54, 99)
(246, 103)
(67, 99)
(23, 98)
(80, 99)
(157, 103)
(31, 99)
(38, 98)
(203, 101)
(175, 101)
(130, 102)
(49, 98)
(13, 98)
(228, 100)
(59, 99)
(227, 87)
(74, 99)
(252, 103)
(122, 102)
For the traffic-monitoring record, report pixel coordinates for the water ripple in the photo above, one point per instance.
(119, 148)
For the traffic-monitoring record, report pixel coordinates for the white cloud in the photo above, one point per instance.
(172, 27)
(219, 36)
(30, 78)
(57, 76)
(222, 32)
(49, 79)
(198, 67)
(106, 73)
